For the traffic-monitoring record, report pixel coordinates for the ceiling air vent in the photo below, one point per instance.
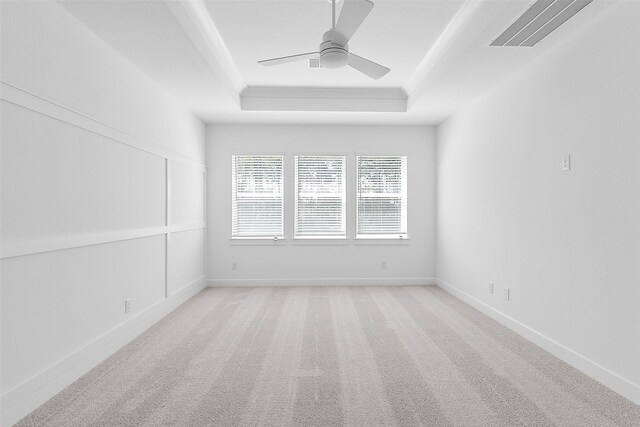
(539, 21)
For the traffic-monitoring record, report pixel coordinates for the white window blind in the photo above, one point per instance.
(257, 202)
(382, 196)
(320, 207)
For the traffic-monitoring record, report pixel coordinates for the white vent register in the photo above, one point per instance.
(540, 20)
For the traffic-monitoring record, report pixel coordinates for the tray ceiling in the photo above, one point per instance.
(205, 53)
(396, 34)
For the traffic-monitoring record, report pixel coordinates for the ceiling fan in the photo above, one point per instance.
(334, 50)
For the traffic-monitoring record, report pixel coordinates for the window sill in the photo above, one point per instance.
(256, 241)
(320, 241)
(392, 241)
(303, 241)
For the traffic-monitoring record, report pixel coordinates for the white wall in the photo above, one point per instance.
(102, 193)
(304, 263)
(567, 244)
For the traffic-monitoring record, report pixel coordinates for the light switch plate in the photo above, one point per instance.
(566, 163)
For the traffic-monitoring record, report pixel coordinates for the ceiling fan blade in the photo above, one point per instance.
(370, 68)
(351, 17)
(285, 59)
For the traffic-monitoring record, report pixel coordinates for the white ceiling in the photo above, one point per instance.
(148, 35)
(397, 34)
(205, 52)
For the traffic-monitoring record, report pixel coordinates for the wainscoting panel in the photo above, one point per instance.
(63, 180)
(86, 224)
(64, 299)
(187, 194)
(185, 260)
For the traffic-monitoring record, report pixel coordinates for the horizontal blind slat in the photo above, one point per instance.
(320, 196)
(381, 195)
(257, 193)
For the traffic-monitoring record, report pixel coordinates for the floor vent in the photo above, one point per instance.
(539, 21)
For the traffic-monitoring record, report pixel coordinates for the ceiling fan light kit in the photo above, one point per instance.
(332, 55)
(333, 52)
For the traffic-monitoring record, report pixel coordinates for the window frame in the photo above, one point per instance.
(382, 238)
(265, 238)
(345, 203)
(350, 202)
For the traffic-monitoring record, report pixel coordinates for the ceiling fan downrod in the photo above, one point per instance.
(333, 15)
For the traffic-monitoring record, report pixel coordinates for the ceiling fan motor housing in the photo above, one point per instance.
(332, 55)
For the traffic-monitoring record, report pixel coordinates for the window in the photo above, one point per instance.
(320, 197)
(257, 202)
(382, 197)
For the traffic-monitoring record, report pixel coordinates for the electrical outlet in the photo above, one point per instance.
(566, 163)
(491, 287)
(234, 266)
(383, 265)
(507, 295)
(127, 305)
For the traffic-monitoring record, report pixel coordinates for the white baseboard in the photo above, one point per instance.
(381, 281)
(26, 397)
(615, 382)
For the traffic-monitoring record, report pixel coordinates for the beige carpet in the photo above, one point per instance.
(379, 356)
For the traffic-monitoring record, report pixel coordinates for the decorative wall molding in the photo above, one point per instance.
(324, 92)
(167, 221)
(34, 391)
(26, 397)
(194, 18)
(30, 101)
(25, 99)
(357, 281)
(596, 371)
(323, 99)
(14, 248)
(466, 14)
